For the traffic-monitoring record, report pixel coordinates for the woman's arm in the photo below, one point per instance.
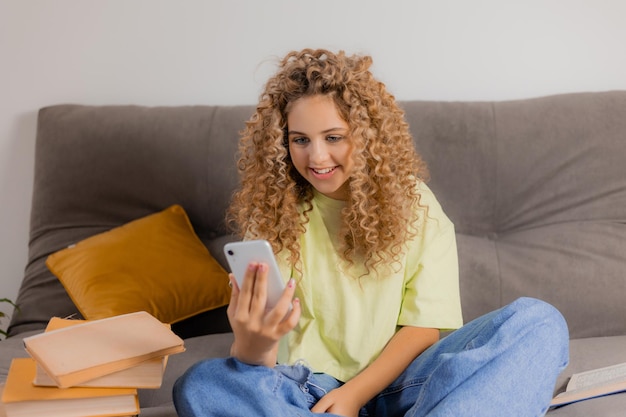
(401, 350)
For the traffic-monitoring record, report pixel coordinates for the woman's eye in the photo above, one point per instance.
(334, 138)
(299, 140)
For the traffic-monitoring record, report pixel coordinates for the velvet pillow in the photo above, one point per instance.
(155, 264)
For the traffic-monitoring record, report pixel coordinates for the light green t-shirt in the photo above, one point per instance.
(346, 320)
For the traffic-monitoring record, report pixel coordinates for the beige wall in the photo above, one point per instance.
(159, 52)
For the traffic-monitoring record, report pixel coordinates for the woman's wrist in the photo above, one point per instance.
(254, 357)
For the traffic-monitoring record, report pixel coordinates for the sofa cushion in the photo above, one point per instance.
(99, 167)
(155, 264)
(536, 189)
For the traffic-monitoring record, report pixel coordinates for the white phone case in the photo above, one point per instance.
(240, 254)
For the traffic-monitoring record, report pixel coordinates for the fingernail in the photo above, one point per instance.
(291, 283)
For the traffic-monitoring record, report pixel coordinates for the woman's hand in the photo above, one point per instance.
(402, 349)
(257, 330)
(338, 401)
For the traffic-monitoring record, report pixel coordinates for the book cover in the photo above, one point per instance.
(147, 374)
(21, 398)
(76, 354)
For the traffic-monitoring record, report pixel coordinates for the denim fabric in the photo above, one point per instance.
(503, 363)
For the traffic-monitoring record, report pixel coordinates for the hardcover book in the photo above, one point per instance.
(22, 398)
(76, 354)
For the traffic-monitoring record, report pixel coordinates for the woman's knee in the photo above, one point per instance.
(545, 324)
(545, 316)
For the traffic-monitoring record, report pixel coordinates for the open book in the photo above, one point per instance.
(591, 384)
(76, 354)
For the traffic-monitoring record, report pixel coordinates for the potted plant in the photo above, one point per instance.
(3, 314)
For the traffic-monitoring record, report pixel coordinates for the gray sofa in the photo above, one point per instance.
(536, 188)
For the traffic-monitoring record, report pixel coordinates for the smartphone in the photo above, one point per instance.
(240, 254)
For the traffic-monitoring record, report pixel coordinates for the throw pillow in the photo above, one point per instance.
(155, 264)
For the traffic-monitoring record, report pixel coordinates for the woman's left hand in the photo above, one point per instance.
(338, 401)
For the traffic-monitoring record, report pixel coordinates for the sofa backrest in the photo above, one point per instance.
(98, 167)
(536, 189)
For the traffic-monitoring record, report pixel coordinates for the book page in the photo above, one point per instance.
(597, 377)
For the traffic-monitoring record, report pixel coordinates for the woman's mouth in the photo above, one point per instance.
(323, 173)
(323, 170)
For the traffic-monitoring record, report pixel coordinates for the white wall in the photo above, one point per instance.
(158, 52)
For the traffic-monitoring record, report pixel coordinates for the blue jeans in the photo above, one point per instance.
(503, 363)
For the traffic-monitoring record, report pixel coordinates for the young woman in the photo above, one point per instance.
(331, 179)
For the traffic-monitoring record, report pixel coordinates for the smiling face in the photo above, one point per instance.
(318, 145)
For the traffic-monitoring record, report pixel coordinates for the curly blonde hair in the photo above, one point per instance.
(273, 200)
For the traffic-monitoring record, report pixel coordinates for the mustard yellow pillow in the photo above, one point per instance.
(155, 264)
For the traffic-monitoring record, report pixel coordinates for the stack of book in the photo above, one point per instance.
(89, 368)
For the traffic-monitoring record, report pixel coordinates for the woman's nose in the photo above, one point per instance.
(318, 151)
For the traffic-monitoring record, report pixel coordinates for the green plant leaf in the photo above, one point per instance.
(3, 314)
(6, 300)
